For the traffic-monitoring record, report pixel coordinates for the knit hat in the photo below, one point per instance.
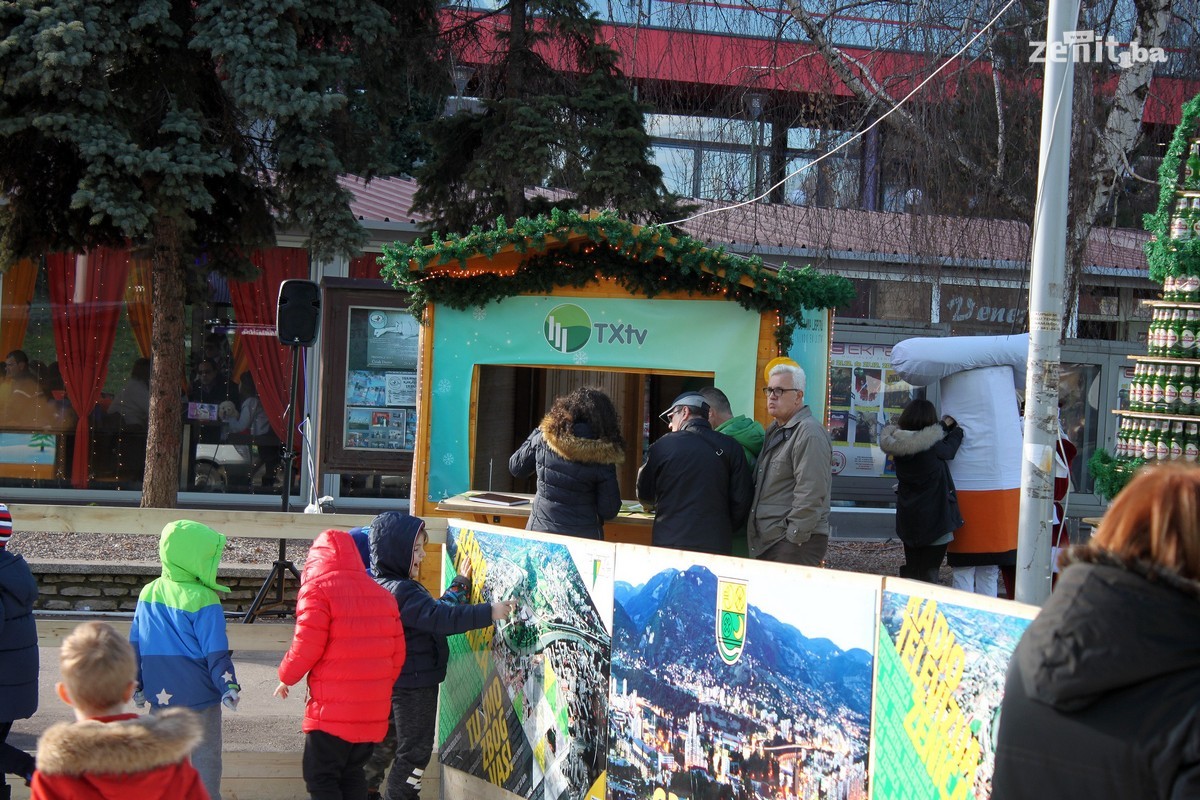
(5, 525)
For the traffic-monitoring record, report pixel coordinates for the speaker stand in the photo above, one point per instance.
(280, 569)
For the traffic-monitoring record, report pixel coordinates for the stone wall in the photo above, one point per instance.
(72, 586)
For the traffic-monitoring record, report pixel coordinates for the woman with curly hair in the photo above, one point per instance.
(575, 452)
(1103, 689)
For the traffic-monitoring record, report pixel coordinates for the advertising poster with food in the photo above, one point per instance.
(864, 396)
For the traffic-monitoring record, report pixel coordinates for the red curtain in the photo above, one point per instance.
(255, 304)
(16, 296)
(85, 306)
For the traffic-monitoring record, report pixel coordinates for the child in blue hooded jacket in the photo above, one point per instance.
(178, 636)
(397, 544)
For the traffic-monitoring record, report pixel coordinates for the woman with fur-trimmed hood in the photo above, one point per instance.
(574, 452)
(926, 507)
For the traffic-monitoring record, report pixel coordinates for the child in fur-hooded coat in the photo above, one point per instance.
(123, 756)
(574, 452)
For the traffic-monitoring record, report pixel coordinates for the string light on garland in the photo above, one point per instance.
(645, 261)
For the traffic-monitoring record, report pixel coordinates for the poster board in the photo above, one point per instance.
(724, 684)
(939, 679)
(523, 704)
(865, 394)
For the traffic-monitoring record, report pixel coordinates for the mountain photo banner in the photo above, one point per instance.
(738, 678)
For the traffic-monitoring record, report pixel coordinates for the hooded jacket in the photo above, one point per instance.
(427, 622)
(18, 639)
(1102, 698)
(348, 641)
(576, 479)
(118, 758)
(178, 631)
(926, 505)
(749, 433)
(700, 485)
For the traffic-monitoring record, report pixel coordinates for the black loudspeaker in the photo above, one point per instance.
(299, 316)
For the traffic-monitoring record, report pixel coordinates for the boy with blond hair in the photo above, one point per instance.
(107, 753)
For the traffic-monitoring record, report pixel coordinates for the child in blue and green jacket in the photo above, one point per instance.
(179, 638)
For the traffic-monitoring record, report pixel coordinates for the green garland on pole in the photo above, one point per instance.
(1165, 255)
(644, 261)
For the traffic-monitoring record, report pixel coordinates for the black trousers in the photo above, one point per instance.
(333, 767)
(415, 714)
(13, 760)
(923, 563)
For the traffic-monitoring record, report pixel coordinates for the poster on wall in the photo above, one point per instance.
(942, 660)
(524, 700)
(864, 396)
(27, 455)
(381, 380)
(724, 685)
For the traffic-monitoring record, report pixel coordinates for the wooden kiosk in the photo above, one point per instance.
(512, 318)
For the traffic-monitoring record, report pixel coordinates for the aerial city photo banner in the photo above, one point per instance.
(638, 673)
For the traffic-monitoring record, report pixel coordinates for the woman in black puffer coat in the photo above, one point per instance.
(575, 452)
(1103, 690)
(926, 507)
(18, 653)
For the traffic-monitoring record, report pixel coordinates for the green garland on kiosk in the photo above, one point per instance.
(644, 261)
(1165, 255)
(1111, 473)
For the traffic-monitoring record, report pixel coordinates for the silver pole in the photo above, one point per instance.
(1047, 273)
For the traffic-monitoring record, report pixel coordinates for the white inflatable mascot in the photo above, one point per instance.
(979, 378)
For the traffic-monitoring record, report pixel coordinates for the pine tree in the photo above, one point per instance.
(557, 113)
(191, 129)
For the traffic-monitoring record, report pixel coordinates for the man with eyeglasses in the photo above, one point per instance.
(789, 518)
(697, 481)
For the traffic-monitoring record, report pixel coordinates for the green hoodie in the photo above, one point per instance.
(749, 434)
(190, 554)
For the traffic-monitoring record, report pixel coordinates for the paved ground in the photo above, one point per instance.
(262, 723)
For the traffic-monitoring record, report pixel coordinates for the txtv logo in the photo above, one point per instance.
(568, 328)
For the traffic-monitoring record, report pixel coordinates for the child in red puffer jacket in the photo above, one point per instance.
(350, 643)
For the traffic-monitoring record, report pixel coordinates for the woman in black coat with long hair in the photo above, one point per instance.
(574, 453)
(926, 507)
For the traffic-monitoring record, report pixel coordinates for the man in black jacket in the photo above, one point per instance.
(697, 480)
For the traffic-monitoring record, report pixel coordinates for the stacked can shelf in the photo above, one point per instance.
(1163, 419)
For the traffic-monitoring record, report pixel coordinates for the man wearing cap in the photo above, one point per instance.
(697, 480)
(793, 479)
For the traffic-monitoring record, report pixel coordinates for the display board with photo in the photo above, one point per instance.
(942, 660)
(725, 686)
(523, 705)
(381, 380)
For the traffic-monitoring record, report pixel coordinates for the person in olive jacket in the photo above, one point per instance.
(926, 507)
(397, 544)
(575, 452)
(1103, 690)
(18, 653)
